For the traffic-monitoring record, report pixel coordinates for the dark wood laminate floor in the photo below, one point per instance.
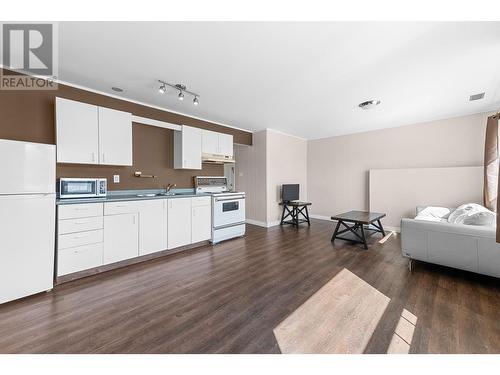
(228, 299)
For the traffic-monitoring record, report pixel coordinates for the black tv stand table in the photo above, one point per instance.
(295, 209)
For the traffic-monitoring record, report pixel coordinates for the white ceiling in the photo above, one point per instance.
(305, 79)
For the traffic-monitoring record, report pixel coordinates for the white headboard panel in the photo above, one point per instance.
(398, 191)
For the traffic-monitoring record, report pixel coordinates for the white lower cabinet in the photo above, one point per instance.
(121, 237)
(80, 237)
(201, 216)
(152, 226)
(94, 234)
(179, 222)
(79, 258)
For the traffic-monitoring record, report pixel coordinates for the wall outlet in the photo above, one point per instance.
(116, 178)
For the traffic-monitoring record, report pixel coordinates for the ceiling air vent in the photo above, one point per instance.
(476, 96)
(369, 104)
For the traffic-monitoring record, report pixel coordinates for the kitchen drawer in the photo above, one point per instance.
(80, 225)
(79, 239)
(201, 201)
(79, 258)
(116, 208)
(75, 211)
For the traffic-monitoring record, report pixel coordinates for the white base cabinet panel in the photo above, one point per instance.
(79, 258)
(152, 226)
(179, 222)
(121, 237)
(201, 216)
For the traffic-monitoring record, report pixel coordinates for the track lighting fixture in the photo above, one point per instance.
(182, 91)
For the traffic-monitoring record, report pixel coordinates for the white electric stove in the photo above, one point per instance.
(228, 208)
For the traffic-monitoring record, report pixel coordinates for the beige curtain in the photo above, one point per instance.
(491, 169)
(491, 166)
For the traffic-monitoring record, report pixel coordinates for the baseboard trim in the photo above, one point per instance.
(262, 223)
(320, 217)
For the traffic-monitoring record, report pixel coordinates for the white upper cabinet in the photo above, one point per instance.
(77, 132)
(225, 144)
(88, 134)
(209, 142)
(187, 148)
(115, 137)
(216, 143)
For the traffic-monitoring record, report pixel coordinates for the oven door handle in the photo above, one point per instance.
(238, 198)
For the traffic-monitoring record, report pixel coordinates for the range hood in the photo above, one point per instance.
(216, 159)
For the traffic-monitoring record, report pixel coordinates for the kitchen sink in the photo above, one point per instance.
(161, 194)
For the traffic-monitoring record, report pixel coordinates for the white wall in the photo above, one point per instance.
(397, 192)
(333, 172)
(273, 159)
(337, 167)
(286, 164)
(250, 176)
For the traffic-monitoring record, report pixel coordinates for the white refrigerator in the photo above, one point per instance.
(27, 218)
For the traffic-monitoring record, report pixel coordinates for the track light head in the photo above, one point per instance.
(181, 95)
(195, 101)
(162, 89)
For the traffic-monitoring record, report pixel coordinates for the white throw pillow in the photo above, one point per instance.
(472, 214)
(433, 213)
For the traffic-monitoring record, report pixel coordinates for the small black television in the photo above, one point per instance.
(289, 192)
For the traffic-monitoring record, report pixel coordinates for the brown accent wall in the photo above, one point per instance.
(30, 116)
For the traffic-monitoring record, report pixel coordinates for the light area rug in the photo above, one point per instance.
(339, 318)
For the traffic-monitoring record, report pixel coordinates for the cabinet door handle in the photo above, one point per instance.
(81, 208)
(80, 235)
(133, 219)
(82, 222)
(93, 156)
(81, 251)
(103, 159)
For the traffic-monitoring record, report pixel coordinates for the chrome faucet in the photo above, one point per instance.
(169, 187)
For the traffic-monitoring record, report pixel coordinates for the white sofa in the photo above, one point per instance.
(467, 247)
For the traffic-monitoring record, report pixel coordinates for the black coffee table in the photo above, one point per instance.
(354, 222)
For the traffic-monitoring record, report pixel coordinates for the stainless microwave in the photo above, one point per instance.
(82, 187)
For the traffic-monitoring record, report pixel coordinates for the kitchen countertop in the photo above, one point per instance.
(133, 195)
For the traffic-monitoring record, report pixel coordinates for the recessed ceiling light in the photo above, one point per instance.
(369, 104)
(117, 89)
(476, 96)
